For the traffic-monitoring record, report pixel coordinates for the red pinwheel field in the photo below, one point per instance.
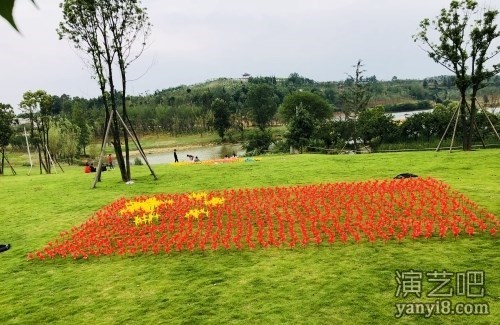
(283, 217)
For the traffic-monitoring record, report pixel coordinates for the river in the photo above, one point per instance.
(203, 153)
(403, 115)
(399, 116)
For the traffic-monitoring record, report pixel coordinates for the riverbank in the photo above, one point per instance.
(157, 143)
(207, 152)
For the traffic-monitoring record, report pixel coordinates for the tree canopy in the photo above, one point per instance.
(262, 103)
(300, 128)
(221, 116)
(316, 106)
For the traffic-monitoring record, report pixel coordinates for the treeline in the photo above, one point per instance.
(374, 130)
(231, 106)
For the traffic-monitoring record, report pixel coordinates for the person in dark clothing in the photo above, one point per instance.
(175, 156)
(110, 161)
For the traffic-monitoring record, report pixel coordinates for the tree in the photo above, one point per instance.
(294, 79)
(464, 49)
(105, 31)
(38, 106)
(64, 138)
(221, 116)
(317, 107)
(262, 103)
(6, 118)
(355, 98)
(61, 104)
(375, 127)
(127, 22)
(79, 119)
(257, 141)
(239, 109)
(205, 101)
(300, 128)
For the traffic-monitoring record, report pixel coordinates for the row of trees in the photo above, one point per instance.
(185, 109)
(374, 127)
(310, 122)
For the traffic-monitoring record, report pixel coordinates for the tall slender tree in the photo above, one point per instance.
(355, 97)
(38, 106)
(465, 34)
(221, 116)
(106, 32)
(129, 24)
(6, 118)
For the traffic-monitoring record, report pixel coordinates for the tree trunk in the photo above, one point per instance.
(3, 163)
(47, 146)
(466, 135)
(125, 116)
(40, 161)
(127, 153)
(115, 126)
(472, 118)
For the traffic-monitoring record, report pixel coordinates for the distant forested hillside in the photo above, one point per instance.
(228, 105)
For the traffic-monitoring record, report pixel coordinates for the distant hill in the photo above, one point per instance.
(388, 93)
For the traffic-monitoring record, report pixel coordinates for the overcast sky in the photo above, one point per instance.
(196, 40)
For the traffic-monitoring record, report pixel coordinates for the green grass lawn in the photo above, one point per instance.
(341, 283)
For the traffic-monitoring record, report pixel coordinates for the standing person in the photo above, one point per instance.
(175, 156)
(110, 161)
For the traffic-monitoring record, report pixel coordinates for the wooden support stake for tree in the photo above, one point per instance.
(99, 165)
(4, 156)
(50, 158)
(29, 153)
(446, 131)
(139, 148)
(475, 126)
(488, 118)
(454, 129)
(10, 165)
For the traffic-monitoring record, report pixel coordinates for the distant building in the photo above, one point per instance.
(245, 77)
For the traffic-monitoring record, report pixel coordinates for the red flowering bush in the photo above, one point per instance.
(276, 216)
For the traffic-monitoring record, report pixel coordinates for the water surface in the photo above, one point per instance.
(203, 153)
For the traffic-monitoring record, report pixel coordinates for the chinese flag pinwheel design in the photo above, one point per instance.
(282, 217)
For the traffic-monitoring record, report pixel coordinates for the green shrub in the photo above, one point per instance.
(257, 141)
(137, 161)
